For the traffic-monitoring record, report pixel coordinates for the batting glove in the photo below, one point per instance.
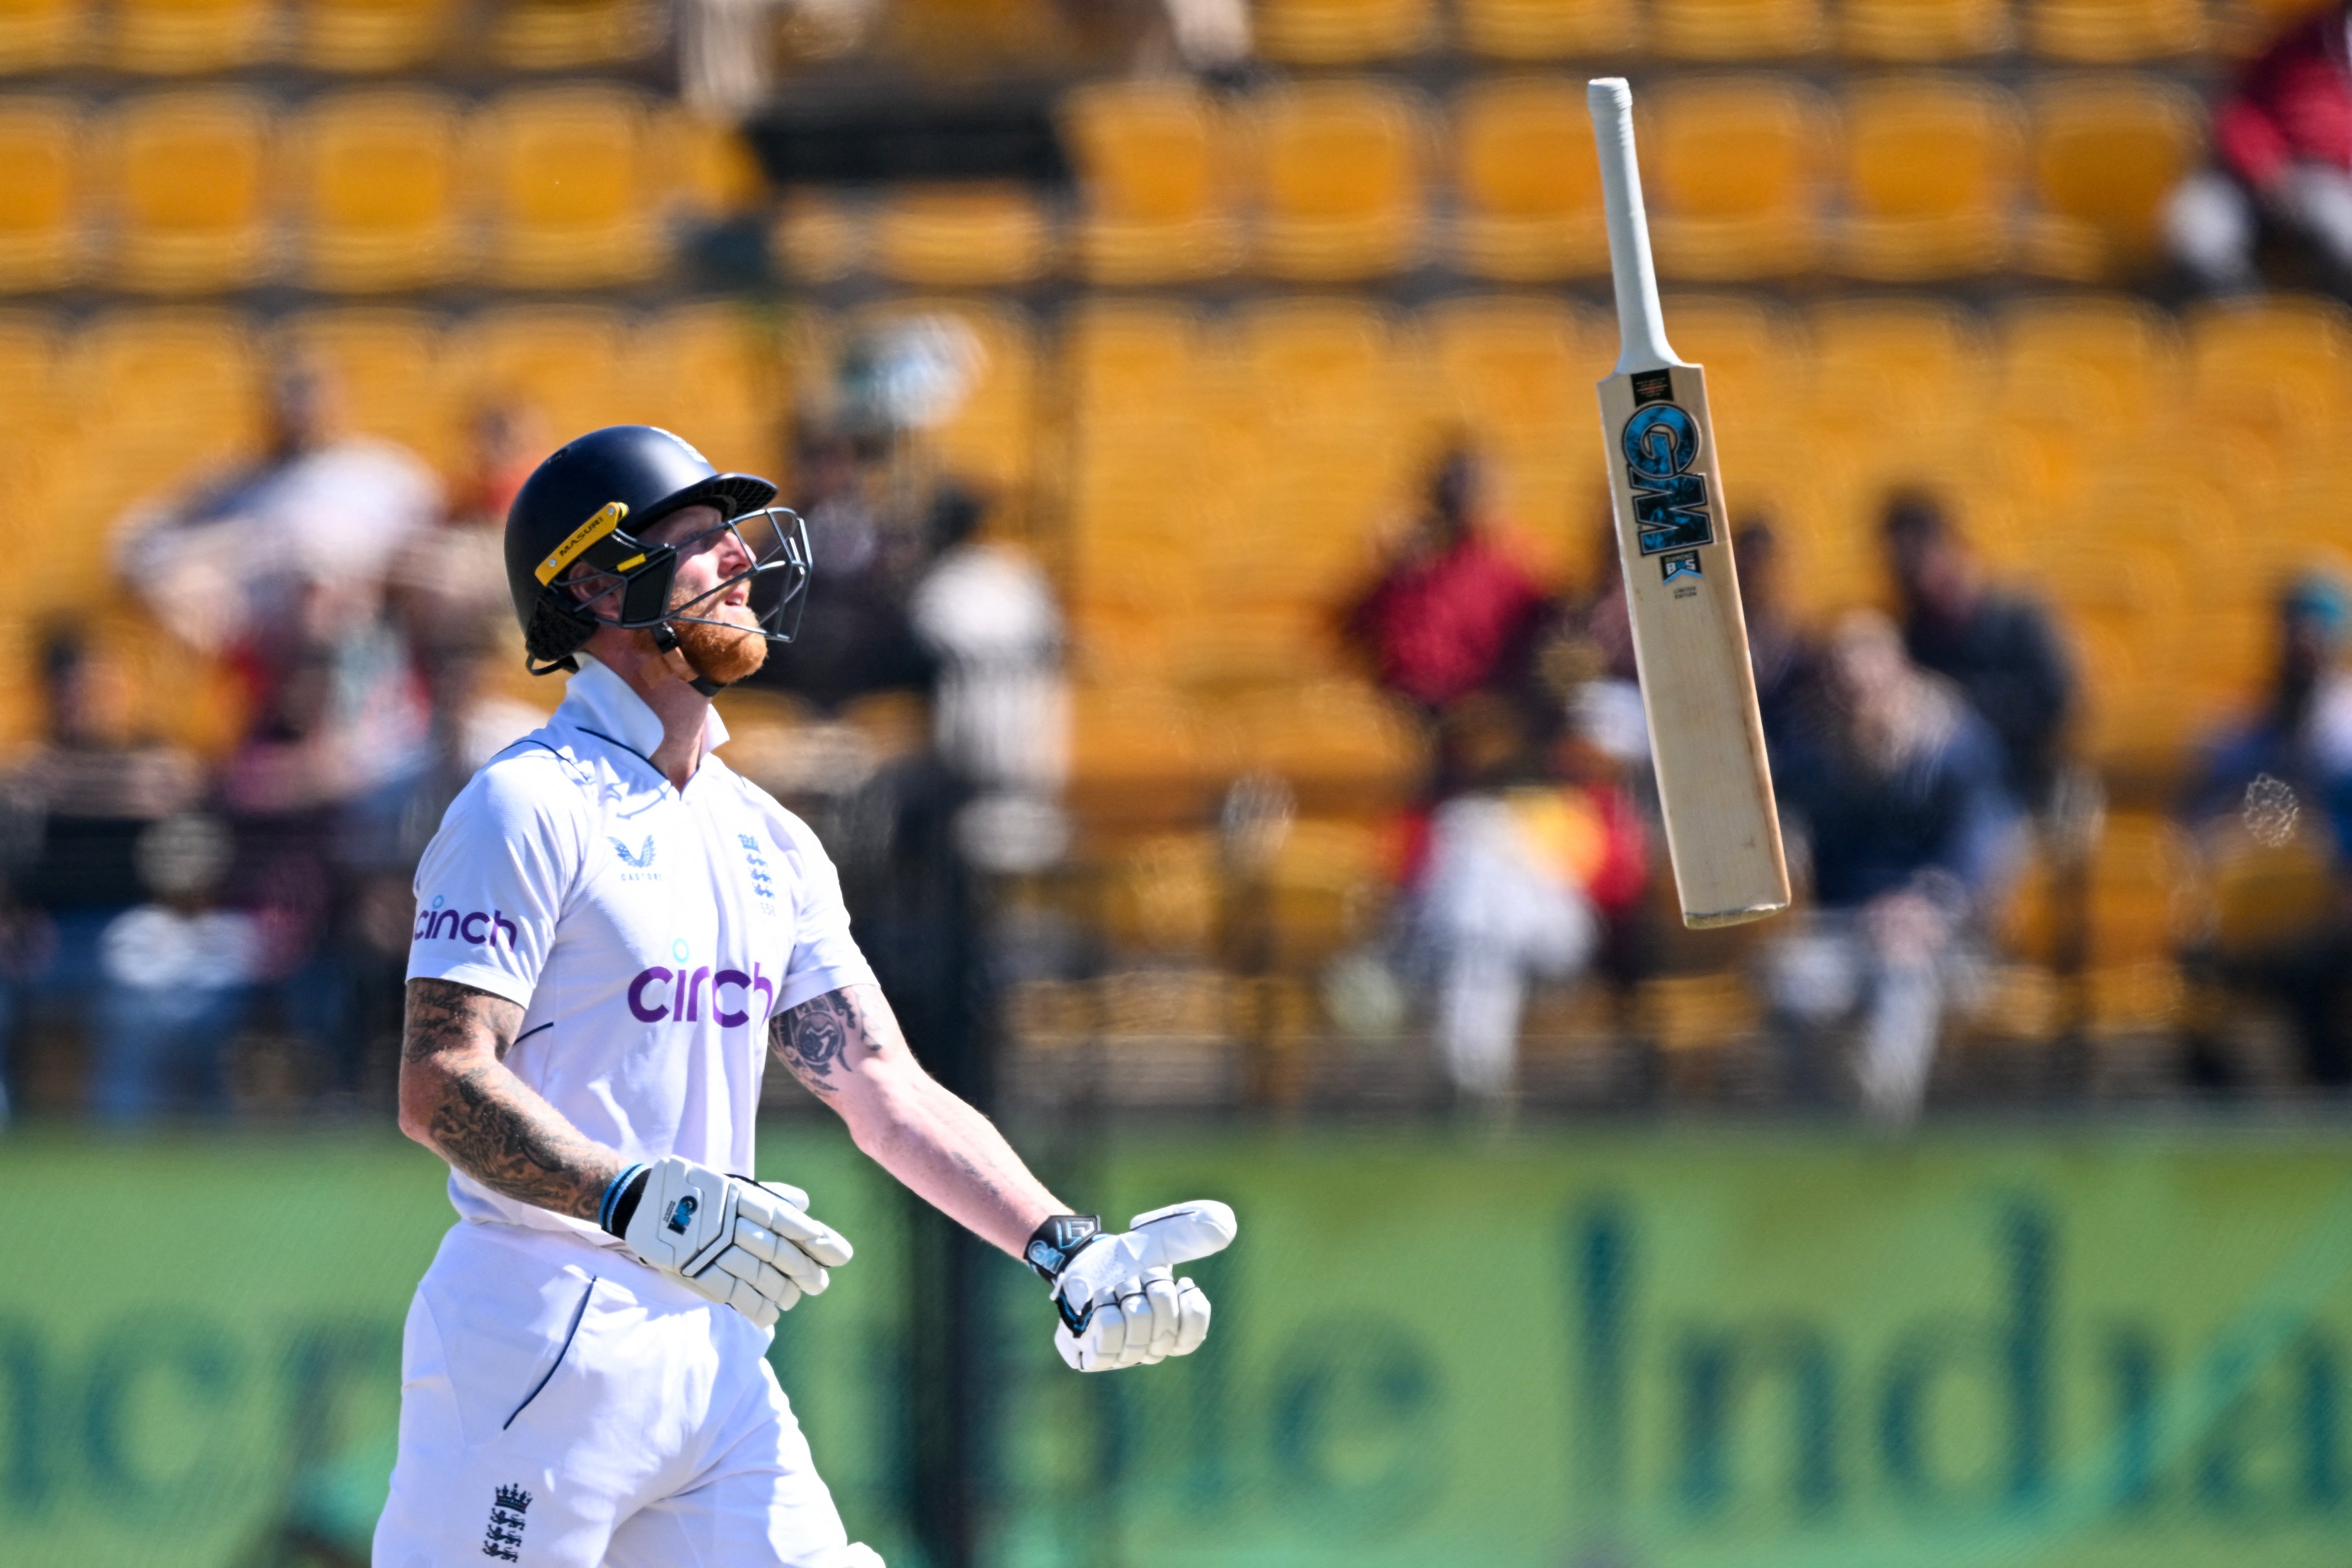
(743, 1244)
(1119, 1301)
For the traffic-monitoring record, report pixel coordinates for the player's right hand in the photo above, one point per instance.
(1119, 1301)
(743, 1243)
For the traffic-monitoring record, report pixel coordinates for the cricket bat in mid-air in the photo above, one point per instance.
(1690, 641)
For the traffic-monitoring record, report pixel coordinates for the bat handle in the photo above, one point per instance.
(1641, 323)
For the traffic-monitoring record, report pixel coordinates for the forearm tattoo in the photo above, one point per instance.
(483, 1119)
(818, 1035)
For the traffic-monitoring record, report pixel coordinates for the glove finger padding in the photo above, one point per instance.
(1192, 1317)
(790, 1221)
(1160, 1291)
(766, 1245)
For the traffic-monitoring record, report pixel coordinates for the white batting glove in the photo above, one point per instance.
(743, 1243)
(1119, 1301)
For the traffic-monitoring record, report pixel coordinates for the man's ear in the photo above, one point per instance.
(586, 583)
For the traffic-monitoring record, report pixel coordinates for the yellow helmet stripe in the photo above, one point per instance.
(586, 534)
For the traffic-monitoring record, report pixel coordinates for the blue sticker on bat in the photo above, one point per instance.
(1670, 512)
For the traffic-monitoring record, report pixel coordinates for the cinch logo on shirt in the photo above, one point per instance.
(676, 995)
(482, 928)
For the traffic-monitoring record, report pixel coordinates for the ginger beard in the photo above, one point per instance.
(721, 653)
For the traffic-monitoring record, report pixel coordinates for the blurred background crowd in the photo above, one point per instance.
(1215, 685)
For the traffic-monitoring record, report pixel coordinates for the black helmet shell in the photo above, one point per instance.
(649, 471)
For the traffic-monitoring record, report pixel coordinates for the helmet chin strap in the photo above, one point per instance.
(666, 641)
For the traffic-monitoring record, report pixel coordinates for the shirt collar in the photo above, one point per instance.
(598, 700)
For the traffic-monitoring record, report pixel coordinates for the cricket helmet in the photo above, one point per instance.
(582, 516)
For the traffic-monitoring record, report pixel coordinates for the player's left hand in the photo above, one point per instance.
(1120, 1301)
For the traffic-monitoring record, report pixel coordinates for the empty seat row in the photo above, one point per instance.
(1337, 32)
(1917, 176)
(207, 189)
(198, 37)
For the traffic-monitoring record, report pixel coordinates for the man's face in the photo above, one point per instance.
(710, 555)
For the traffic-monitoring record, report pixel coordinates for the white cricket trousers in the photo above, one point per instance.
(563, 1405)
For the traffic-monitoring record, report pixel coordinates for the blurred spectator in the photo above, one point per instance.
(322, 514)
(2251, 792)
(1785, 659)
(449, 589)
(1515, 878)
(2283, 140)
(177, 972)
(282, 568)
(79, 800)
(1896, 786)
(1452, 613)
(864, 552)
(2002, 651)
(1001, 707)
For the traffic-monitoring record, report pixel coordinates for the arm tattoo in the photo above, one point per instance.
(814, 1036)
(483, 1120)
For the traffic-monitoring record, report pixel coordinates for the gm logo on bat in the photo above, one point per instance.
(1661, 443)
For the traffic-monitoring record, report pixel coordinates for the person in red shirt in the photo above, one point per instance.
(2283, 138)
(1452, 613)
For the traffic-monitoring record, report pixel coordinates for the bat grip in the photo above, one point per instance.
(1641, 323)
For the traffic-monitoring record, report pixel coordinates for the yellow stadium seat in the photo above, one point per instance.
(389, 368)
(575, 183)
(42, 194)
(1154, 170)
(2115, 352)
(1549, 29)
(1130, 362)
(1338, 32)
(2138, 874)
(1530, 183)
(989, 436)
(41, 34)
(360, 35)
(37, 394)
(172, 37)
(1338, 743)
(2105, 152)
(717, 379)
(1732, 177)
(962, 236)
(1733, 30)
(380, 188)
(717, 173)
(569, 362)
(1516, 376)
(1340, 180)
(192, 176)
(2085, 383)
(1909, 380)
(1518, 373)
(2280, 368)
(1133, 746)
(1930, 173)
(166, 393)
(564, 34)
(2104, 32)
(1319, 363)
(818, 237)
(1757, 361)
(1908, 30)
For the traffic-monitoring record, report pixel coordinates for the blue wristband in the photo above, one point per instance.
(605, 1216)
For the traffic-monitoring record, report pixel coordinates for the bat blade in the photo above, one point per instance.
(1690, 641)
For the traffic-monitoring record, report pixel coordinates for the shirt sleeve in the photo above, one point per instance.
(824, 957)
(494, 880)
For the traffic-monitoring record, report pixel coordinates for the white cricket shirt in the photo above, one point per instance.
(648, 932)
